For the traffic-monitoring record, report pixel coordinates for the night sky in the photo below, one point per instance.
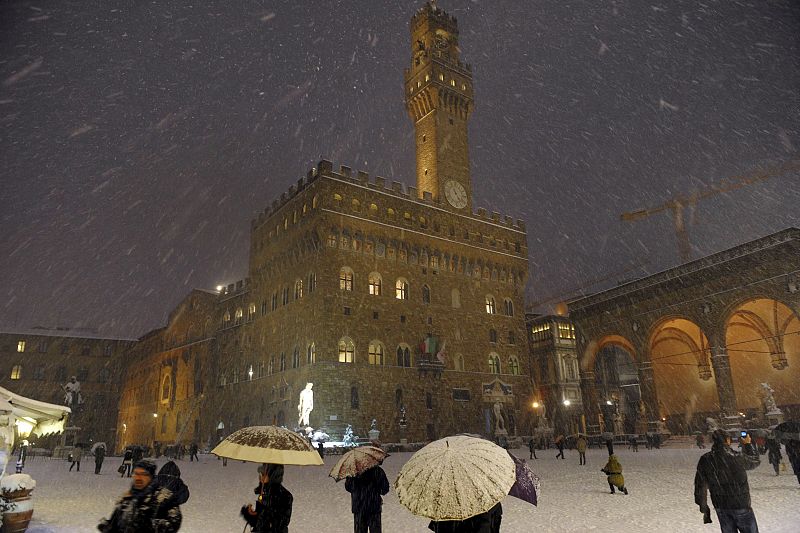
(138, 139)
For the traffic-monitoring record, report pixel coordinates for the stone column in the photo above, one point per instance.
(590, 405)
(647, 386)
(724, 380)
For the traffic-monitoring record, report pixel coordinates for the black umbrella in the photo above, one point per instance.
(788, 430)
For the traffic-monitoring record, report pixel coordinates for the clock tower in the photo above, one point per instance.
(439, 99)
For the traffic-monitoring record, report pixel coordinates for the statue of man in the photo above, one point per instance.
(769, 399)
(499, 421)
(306, 405)
(72, 392)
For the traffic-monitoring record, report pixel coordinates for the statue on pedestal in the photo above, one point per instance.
(72, 393)
(499, 421)
(306, 405)
(769, 400)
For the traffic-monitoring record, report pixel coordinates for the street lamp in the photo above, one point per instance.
(567, 403)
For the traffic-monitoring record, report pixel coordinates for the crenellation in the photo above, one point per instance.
(324, 167)
(292, 191)
(495, 217)
(397, 187)
(521, 224)
(380, 182)
(411, 192)
(301, 184)
(509, 220)
(481, 212)
(363, 177)
(345, 171)
(427, 196)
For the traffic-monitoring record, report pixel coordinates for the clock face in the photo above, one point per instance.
(441, 42)
(455, 194)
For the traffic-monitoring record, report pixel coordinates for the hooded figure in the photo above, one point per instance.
(722, 473)
(170, 476)
(614, 472)
(273, 509)
(793, 453)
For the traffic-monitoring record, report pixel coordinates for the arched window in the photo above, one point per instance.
(332, 240)
(455, 297)
(337, 199)
(251, 311)
(398, 397)
(494, 363)
(238, 316)
(312, 282)
(459, 362)
(311, 354)
(296, 357)
(298, 289)
(16, 372)
(373, 209)
(226, 318)
(404, 355)
(375, 283)
(391, 213)
(426, 294)
(283, 362)
(315, 202)
(375, 353)
(346, 350)
(166, 388)
(509, 307)
(401, 289)
(513, 365)
(346, 279)
(490, 305)
(354, 403)
(356, 205)
(260, 370)
(492, 335)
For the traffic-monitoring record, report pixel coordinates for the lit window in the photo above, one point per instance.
(494, 364)
(337, 198)
(513, 366)
(311, 354)
(407, 217)
(401, 289)
(427, 77)
(441, 77)
(16, 372)
(435, 261)
(375, 353)
(346, 279)
(566, 331)
(298, 289)
(314, 202)
(356, 205)
(332, 240)
(375, 284)
(20, 346)
(251, 311)
(452, 83)
(166, 389)
(346, 350)
(238, 316)
(373, 209)
(391, 213)
(226, 317)
(490, 306)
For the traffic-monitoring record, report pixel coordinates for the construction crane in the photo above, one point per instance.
(677, 205)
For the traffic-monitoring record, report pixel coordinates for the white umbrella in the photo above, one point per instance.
(268, 444)
(455, 478)
(97, 445)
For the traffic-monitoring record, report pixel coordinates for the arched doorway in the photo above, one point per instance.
(617, 383)
(762, 337)
(683, 375)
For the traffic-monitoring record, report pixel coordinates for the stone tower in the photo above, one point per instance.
(439, 99)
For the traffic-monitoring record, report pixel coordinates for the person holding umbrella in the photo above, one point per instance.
(273, 510)
(365, 491)
(99, 457)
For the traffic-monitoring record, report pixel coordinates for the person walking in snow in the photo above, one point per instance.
(127, 463)
(560, 446)
(581, 444)
(170, 477)
(365, 491)
(532, 448)
(700, 441)
(273, 509)
(99, 457)
(76, 455)
(193, 453)
(488, 522)
(722, 472)
(613, 471)
(793, 453)
(774, 454)
(147, 507)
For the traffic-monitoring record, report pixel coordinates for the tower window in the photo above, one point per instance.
(452, 83)
(424, 138)
(427, 77)
(441, 77)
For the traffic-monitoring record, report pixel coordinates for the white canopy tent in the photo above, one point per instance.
(27, 416)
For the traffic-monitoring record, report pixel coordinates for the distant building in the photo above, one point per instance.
(37, 363)
(556, 371)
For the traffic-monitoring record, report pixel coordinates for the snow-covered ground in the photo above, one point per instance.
(574, 498)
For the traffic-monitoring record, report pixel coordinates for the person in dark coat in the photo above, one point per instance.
(722, 472)
(146, 508)
(532, 448)
(138, 454)
(127, 462)
(76, 455)
(193, 453)
(793, 453)
(321, 449)
(170, 476)
(273, 509)
(774, 454)
(365, 491)
(488, 522)
(99, 457)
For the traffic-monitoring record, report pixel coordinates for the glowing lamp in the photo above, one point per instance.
(25, 426)
(567, 403)
(535, 405)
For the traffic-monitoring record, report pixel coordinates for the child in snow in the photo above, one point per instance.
(614, 472)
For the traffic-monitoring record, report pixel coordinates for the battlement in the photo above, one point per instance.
(234, 289)
(436, 16)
